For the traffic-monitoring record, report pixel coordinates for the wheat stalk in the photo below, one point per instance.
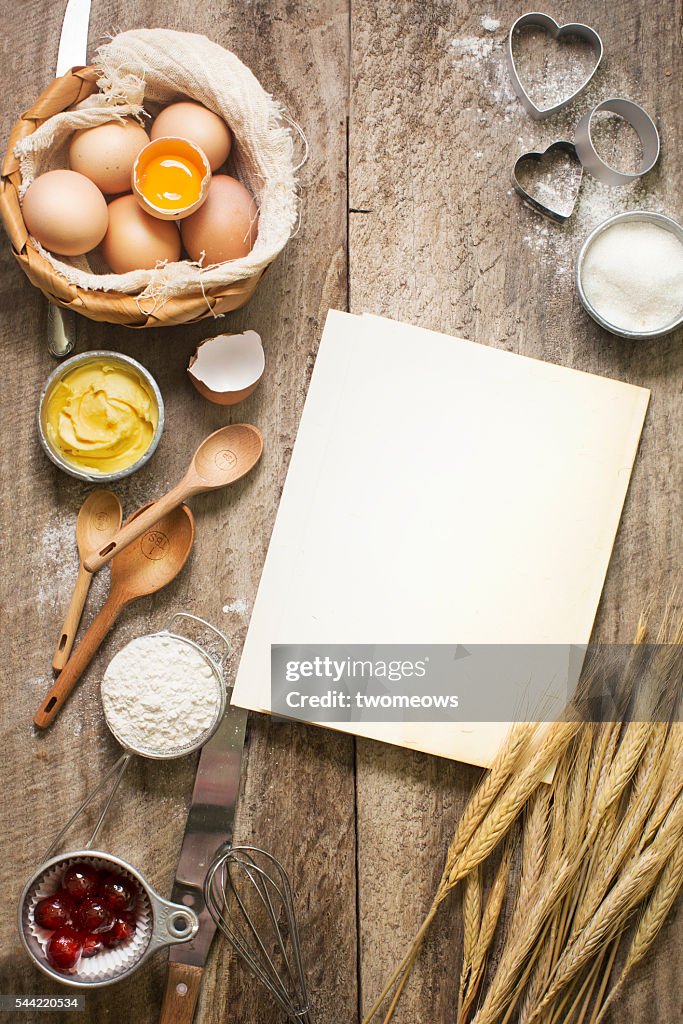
(651, 921)
(630, 889)
(471, 923)
(595, 846)
(515, 954)
(504, 764)
(506, 809)
(624, 836)
(534, 843)
(578, 784)
(489, 922)
(541, 969)
(672, 783)
(623, 766)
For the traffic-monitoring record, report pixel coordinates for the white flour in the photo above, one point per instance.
(159, 694)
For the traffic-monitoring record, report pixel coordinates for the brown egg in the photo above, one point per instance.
(225, 226)
(194, 122)
(136, 241)
(107, 152)
(66, 212)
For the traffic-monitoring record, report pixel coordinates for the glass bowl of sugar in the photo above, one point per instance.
(629, 275)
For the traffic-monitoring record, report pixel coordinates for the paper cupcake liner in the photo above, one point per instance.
(109, 963)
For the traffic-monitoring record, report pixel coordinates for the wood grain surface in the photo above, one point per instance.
(407, 211)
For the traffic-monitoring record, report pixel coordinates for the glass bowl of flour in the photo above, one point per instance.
(629, 275)
(163, 695)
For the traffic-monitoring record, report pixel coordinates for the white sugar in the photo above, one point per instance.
(633, 276)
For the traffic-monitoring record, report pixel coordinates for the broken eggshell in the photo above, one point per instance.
(227, 368)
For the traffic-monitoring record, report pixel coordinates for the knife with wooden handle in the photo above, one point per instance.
(209, 825)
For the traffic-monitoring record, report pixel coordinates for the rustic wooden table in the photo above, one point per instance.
(407, 212)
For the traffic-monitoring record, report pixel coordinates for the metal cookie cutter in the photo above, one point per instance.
(642, 124)
(560, 216)
(557, 32)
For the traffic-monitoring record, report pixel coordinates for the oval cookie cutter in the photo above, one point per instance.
(642, 124)
(557, 32)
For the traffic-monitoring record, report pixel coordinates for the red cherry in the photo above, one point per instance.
(109, 939)
(80, 880)
(117, 892)
(121, 930)
(54, 911)
(64, 949)
(124, 926)
(92, 944)
(93, 915)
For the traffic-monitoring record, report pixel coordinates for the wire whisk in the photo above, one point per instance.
(249, 896)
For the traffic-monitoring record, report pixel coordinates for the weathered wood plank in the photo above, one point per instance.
(298, 798)
(434, 132)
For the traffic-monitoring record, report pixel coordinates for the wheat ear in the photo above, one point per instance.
(629, 890)
(489, 922)
(651, 921)
(471, 923)
(505, 762)
(534, 843)
(504, 812)
(516, 954)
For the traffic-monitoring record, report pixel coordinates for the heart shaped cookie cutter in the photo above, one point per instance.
(556, 31)
(559, 216)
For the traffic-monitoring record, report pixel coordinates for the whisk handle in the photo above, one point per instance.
(183, 982)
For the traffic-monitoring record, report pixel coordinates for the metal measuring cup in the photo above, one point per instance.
(118, 769)
(159, 922)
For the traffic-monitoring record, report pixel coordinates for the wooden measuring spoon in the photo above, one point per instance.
(140, 569)
(98, 520)
(224, 457)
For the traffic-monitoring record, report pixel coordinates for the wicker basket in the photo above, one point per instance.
(108, 307)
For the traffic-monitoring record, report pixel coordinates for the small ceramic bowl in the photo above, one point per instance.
(642, 216)
(169, 147)
(53, 380)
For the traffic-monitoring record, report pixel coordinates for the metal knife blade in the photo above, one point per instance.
(73, 49)
(73, 42)
(209, 824)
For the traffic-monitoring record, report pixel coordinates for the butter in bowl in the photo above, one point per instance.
(100, 416)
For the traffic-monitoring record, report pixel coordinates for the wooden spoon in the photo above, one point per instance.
(221, 459)
(140, 569)
(98, 520)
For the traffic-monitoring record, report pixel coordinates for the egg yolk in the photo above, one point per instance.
(171, 182)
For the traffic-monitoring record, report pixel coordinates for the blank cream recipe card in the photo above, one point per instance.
(441, 492)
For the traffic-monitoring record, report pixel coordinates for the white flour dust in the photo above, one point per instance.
(489, 24)
(60, 560)
(238, 606)
(473, 49)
